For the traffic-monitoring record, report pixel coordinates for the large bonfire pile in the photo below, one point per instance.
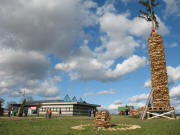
(103, 119)
(159, 76)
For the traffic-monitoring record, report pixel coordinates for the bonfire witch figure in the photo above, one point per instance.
(149, 14)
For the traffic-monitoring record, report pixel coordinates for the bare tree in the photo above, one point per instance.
(29, 99)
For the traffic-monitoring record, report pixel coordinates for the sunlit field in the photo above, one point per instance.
(58, 126)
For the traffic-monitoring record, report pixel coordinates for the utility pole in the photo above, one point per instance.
(21, 109)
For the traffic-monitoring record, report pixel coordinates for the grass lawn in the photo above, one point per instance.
(63, 126)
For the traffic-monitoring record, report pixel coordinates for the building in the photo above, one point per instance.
(67, 106)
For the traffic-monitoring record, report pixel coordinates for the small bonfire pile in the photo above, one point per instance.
(103, 119)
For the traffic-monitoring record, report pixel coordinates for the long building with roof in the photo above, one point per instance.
(68, 106)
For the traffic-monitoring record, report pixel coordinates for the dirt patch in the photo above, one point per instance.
(117, 127)
(80, 127)
(20, 118)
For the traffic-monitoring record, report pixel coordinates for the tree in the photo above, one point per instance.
(1, 109)
(21, 109)
(29, 99)
(149, 14)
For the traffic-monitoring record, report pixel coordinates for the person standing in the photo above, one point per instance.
(9, 113)
(94, 112)
(89, 113)
(49, 113)
(60, 113)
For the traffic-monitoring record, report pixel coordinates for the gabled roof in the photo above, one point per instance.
(67, 98)
(74, 99)
(80, 100)
(1, 100)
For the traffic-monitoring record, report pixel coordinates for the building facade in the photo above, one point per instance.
(67, 108)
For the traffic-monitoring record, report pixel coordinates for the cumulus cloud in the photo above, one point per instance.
(113, 107)
(118, 41)
(175, 44)
(138, 98)
(54, 98)
(94, 69)
(173, 74)
(103, 92)
(175, 98)
(172, 11)
(39, 28)
(147, 84)
(111, 91)
(175, 92)
(44, 26)
(88, 94)
(18, 68)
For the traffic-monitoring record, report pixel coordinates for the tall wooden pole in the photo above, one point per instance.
(151, 15)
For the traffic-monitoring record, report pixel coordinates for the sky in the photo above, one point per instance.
(92, 49)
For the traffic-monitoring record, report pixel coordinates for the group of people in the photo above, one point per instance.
(91, 111)
(13, 113)
(10, 113)
(49, 113)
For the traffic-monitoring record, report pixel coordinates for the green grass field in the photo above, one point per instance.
(63, 126)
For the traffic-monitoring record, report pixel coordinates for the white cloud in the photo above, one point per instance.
(39, 28)
(54, 98)
(175, 92)
(118, 41)
(172, 7)
(21, 71)
(126, 1)
(112, 108)
(88, 94)
(107, 7)
(175, 44)
(83, 68)
(46, 88)
(18, 68)
(137, 105)
(173, 74)
(111, 91)
(103, 92)
(147, 84)
(47, 27)
(117, 102)
(138, 98)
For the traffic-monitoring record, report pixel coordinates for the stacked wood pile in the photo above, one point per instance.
(134, 112)
(159, 78)
(103, 119)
